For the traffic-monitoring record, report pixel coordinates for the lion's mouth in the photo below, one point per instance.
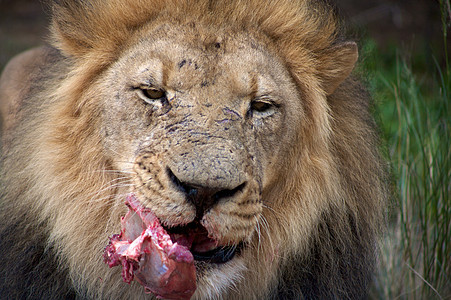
(195, 237)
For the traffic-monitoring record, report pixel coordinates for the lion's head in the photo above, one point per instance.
(236, 120)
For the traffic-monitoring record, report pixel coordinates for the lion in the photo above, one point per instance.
(237, 123)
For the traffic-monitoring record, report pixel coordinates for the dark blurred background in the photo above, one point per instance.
(411, 25)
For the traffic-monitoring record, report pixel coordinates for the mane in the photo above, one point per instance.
(81, 27)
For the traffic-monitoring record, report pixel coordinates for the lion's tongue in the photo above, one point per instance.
(147, 254)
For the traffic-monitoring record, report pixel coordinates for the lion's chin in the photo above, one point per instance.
(162, 259)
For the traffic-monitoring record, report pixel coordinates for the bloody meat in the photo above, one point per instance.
(148, 255)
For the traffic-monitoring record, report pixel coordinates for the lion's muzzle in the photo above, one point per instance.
(205, 180)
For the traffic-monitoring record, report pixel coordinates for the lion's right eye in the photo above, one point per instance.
(152, 95)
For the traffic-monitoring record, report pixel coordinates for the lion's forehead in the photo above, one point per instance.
(181, 59)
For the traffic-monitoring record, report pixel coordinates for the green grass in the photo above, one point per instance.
(415, 119)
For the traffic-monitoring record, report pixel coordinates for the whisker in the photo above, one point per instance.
(267, 231)
(116, 171)
(258, 229)
(112, 184)
(272, 210)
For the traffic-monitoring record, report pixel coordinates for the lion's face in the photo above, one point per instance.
(200, 126)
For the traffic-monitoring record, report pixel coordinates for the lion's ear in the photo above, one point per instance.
(68, 28)
(337, 65)
(95, 28)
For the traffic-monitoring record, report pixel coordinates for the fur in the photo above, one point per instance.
(316, 237)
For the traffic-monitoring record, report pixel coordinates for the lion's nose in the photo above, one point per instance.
(203, 197)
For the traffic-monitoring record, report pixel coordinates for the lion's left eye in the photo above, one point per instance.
(262, 107)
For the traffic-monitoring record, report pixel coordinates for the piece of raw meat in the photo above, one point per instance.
(147, 254)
